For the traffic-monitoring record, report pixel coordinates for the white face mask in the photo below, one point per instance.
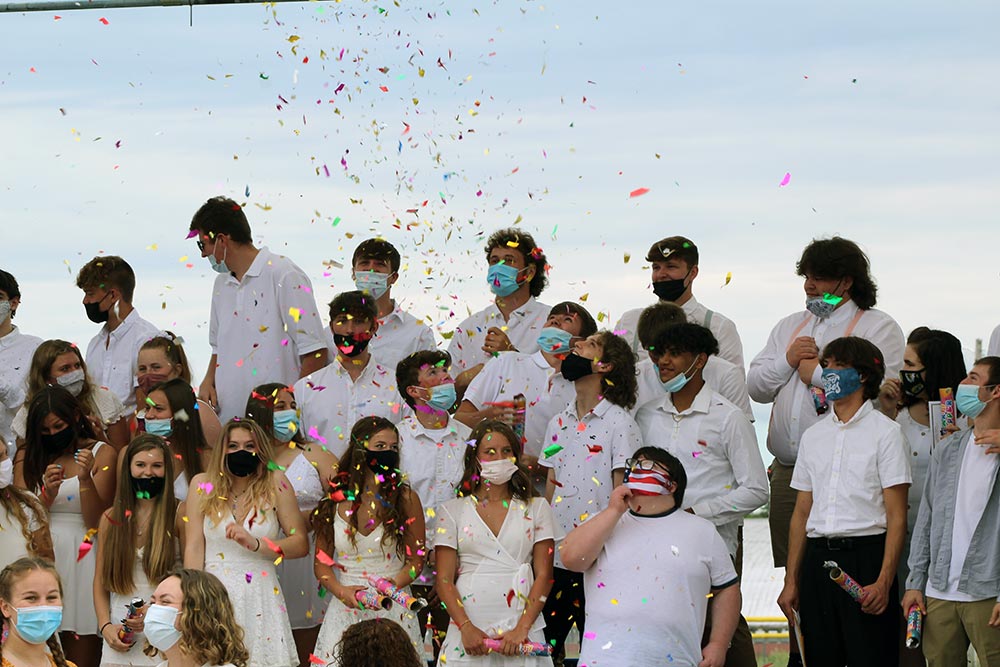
(72, 381)
(497, 472)
(6, 473)
(4, 310)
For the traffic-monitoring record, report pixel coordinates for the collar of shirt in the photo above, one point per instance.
(701, 403)
(256, 267)
(597, 411)
(690, 306)
(126, 325)
(366, 372)
(434, 434)
(540, 360)
(395, 314)
(842, 315)
(10, 339)
(520, 312)
(865, 408)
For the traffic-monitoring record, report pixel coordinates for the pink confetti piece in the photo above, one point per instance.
(103, 20)
(785, 180)
(638, 192)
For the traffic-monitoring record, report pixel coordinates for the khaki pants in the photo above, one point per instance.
(780, 513)
(949, 628)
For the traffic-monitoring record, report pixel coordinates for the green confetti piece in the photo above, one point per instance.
(272, 466)
(832, 299)
(552, 450)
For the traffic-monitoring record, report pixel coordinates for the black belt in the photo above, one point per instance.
(845, 543)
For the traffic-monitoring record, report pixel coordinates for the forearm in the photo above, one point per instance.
(796, 546)
(293, 546)
(536, 599)
(312, 362)
(91, 503)
(725, 614)
(449, 596)
(213, 363)
(584, 543)
(194, 554)
(894, 539)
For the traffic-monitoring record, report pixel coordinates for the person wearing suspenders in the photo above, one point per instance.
(840, 299)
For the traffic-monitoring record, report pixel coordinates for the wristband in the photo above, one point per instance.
(104, 626)
(464, 623)
(258, 545)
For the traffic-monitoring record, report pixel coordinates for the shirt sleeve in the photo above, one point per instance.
(888, 338)
(722, 572)
(893, 459)
(298, 311)
(485, 387)
(919, 559)
(552, 434)
(730, 345)
(801, 477)
(213, 316)
(545, 526)
(426, 339)
(994, 347)
(446, 532)
(750, 490)
(462, 346)
(733, 386)
(769, 370)
(107, 405)
(625, 439)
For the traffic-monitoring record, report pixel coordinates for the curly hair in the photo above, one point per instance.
(654, 319)
(838, 258)
(209, 631)
(619, 385)
(377, 642)
(55, 401)
(686, 337)
(18, 503)
(520, 483)
(524, 243)
(106, 273)
(260, 406)
(187, 438)
(262, 489)
(13, 573)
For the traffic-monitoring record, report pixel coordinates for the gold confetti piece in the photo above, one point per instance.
(729, 277)
(627, 257)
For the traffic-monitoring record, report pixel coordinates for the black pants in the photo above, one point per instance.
(563, 608)
(835, 630)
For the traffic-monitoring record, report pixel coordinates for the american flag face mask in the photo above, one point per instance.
(649, 482)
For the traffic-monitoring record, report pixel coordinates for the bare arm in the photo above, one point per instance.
(118, 434)
(789, 598)
(313, 361)
(194, 549)
(206, 391)
(725, 616)
(413, 538)
(550, 485)
(585, 542)
(875, 597)
(97, 489)
(296, 544)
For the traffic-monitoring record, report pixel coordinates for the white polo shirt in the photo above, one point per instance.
(508, 375)
(259, 328)
(16, 351)
(772, 380)
(399, 335)
(112, 356)
(592, 447)
(560, 395)
(523, 328)
(331, 403)
(433, 461)
(723, 328)
(846, 466)
(717, 446)
(724, 377)
(647, 592)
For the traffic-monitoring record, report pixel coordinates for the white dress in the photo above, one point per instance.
(365, 559)
(12, 543)
(134, 657)
(494, 574)
(298, 581)
(253, 588)
(68, 530)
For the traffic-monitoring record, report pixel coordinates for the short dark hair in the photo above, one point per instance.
(686, 337)
(838, 258)
(588, 327)
(674, 246)
(863, 356)
(524, 243)
(356, 304)
(654, 319)
(944, 366)
(222, 215)
(993, 363)
(408, 370)
(377, 249)
(107, 272)
(8, 283)
(673, 466)
(619, 386)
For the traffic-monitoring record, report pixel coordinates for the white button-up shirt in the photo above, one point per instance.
(723, 328)
(399, 335)
(772, 380)
(260, 327)
(846, 466)
(331, 403)
(508, 375)
(716, 444)
(112, 356)
(526, 322)
(994, 347)
(16, 351)
(724, 377)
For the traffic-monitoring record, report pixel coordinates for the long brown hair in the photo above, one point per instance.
(260, 407)
(187, 438)
(263, 493)
(13, 573)
(390, 493)
(520, 483)
(15, 501)
(120, 538)
(41, 370)
(59, 402)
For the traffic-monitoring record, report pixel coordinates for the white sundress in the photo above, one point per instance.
(134, 657)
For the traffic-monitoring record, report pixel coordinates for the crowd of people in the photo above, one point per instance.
(353, 494)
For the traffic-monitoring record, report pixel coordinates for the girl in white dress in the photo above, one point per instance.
(310, 469)
(494, 546)
(171, 413)
(24, 523)
(74, 476)
(237, 511)
(138, 547)
(372, 525)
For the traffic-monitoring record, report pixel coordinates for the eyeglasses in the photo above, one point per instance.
(642, 464)
(201, 244)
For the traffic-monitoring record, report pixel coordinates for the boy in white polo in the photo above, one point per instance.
(726, 477)
(585, 449)
(16, 350)
(650, 569)
(852, 475)
(354, 385)
(264, 325)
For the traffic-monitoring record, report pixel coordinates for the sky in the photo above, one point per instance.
(433, 124)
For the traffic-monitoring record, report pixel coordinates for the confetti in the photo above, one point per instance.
(785, 180)
(638, 192)
(552, 450)
(729, 278)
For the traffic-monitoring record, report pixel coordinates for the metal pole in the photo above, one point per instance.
(69, 5)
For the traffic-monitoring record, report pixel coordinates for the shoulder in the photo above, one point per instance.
(462, 431)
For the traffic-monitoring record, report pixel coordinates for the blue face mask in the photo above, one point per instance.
(373, 282)
(36, 624)
(502, 279)
(967, 400)
(161, 427)
(219, 266)
(286, 425)
(840, 383)
(678, 382)
(443, 396)
(554, 340)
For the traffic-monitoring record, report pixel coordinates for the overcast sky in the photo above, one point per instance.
(336, 121)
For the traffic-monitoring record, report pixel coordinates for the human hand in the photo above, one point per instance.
(995, 616)
(619, 499)
(501, 411)
(806, 369)
(239, 534)
(789, 601)
(875, 597)
(510, 642)
(346, 594)
(52, 479)
(913, 597)
(989, 439)
(803, 347)
(110, 635)
(497, 341)
(84, 459)
(889, 396)
(713, 655)
(139, 622)
(472, 640)
(207, 393)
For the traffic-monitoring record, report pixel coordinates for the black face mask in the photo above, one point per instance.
(148, 487)
(356, 345)
(382, 461)
(670, 290)
(575, 367)
(242, 463)
(94, 312)
(912, 382)
(56, 443)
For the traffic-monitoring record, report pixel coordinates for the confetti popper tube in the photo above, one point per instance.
(527, 648)
(126, 635)
(844, 580)
(948, 414)
(387, 588)
(914, 627)
(373, 600)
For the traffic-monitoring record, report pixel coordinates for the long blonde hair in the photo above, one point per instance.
(14, 572)
(262, 491)
(120, 539)
(17, 502)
